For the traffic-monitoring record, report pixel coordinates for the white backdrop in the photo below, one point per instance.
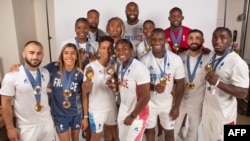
(200, 14)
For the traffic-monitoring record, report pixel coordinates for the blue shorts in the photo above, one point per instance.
(63, 123)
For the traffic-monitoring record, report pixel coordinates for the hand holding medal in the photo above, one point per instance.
(208, 68)
(111, 81)
(89, 73)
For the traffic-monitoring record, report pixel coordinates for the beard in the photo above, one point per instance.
(32, 64)
(132, 19)
(194, 48)
(93, 26)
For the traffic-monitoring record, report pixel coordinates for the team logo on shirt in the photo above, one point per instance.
(25, 81)
(136, 129)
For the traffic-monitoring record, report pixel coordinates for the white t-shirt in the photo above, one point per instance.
(221, 108)
(173, 70)
(136, 74)
(17, 85)
(93, 45)
(196, 95)
(134, 33)
(141, 48)
(101, 97)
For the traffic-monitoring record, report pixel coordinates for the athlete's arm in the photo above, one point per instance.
(178, 94)
(7, 111)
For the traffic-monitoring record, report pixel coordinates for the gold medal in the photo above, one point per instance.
(81, 50)
(208, 68)
(66, 104)
(110, 71)
(89, 74)
(190, 85)
(120, 83)
(67, 93)
(38, 107)
(110, 80)
(163, 81)
(147, 48)
(176, 47)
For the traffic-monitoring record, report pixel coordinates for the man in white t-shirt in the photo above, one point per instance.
(27, 91)
(133, 26)
(167, 85)
(94, 32)
(227, 80)
(194, 60)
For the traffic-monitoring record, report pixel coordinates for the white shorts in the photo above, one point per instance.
(42, 132)
(165, 119)
(134, 132)
(98, 119)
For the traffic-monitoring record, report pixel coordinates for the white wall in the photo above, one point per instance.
(201, 14)
(8, 51)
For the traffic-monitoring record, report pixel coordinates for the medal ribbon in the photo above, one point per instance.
(214, 66)
(67, 79)
(34, 82)
(192, 75)
(87, 45)
(163, 72)
(174, 39)
(114, 58)
(123, 70)
(145, 43)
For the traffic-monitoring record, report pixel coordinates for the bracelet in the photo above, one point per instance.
(86, 117)
(217, 83)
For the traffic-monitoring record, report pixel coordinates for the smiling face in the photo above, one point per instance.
(82, 29)
(221, 40)
(114, 28)
(69, 56)
(33, 55)
(124, 50)
(148, 28)
(105, 50)
(195, 41)
(132, 12)
(158, 40)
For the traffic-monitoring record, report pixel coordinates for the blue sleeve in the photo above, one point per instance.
(50, 66)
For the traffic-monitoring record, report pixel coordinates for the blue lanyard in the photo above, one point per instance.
(145, 43)
(34, 83)
(163, 71)
(67, 78)
(87, 45)
(178, 39)
(214, 66)
(123, 70)
(192, 75)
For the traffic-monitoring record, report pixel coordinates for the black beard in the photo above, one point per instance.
(195, 49)
(32, 65)
(133, 19)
